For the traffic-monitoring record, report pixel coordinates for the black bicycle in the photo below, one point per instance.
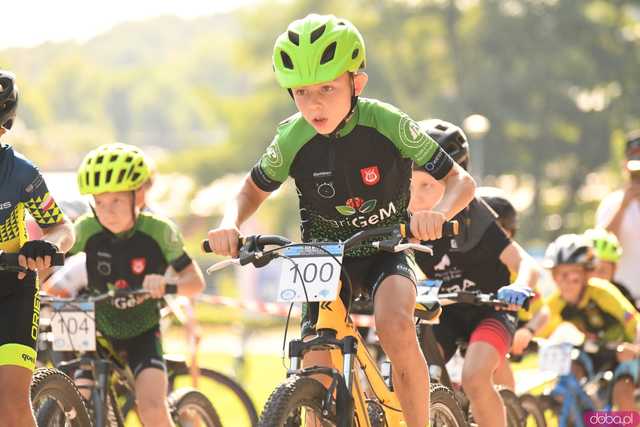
(220, 389)
(112, 386)
(516, 415)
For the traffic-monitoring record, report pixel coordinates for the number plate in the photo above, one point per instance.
(555, 358)
(73, 326)
(319, 271)
(429, 287)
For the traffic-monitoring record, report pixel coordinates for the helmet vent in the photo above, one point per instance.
(294, 38)
(135, 176)
(128, 159)
(341, 23)
(328, 53)
(113, 158)
(96, 178)
(121, 175)
(315, 35)
(286, 60)
(99, 160)
(355, 53)
(109, 173)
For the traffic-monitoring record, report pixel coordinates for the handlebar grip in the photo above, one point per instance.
(171, 288)
(205, 246)
(451, 228)
(11, 259)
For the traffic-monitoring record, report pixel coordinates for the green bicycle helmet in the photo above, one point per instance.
(317, 49)
(112, 168)
(605, 244)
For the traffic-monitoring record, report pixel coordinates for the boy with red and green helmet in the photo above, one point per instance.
(351, 160)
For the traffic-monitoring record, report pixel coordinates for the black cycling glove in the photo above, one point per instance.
(38, 248)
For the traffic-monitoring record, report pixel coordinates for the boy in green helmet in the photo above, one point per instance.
(607, 251)
(351, 160)
(128, 248)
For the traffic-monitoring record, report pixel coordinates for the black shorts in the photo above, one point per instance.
(468, 323)
(140, 352)
(366, 274)
(19, 320)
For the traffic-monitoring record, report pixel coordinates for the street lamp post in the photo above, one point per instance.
(477, 126)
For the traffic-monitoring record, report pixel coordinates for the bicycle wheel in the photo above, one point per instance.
(222, 391)
(56, 400)
(297, 402)
(533, 410)
(444, 409)
(189, 407)
(515, 413)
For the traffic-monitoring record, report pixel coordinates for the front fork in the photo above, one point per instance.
(100, 394)
(341, 383)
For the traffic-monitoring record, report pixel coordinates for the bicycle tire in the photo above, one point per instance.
(186, 402)
(56, 400)
(534, 412)
(444, 409)
(514, 411)
(224, 380)
(283, 408)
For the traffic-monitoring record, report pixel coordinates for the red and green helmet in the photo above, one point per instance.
(317, 49)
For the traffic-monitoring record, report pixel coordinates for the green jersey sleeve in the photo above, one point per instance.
(166, 234)
(84, 227)
(273, 167)
(409, 138)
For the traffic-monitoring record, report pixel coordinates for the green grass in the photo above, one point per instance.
(261, 374)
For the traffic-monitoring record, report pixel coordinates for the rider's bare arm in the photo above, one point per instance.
(224, 239)
(459, 190)
(247, 201)
(60, 235)
(519, 261)
(189, 280)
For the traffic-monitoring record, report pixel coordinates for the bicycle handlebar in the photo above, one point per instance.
(466, 297)
(10, 260)
(169, 289)
(251, 247)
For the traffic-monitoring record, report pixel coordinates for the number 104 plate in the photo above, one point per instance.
(73, 327)
(318, 269)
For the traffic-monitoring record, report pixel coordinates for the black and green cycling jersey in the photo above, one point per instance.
(356, 178)
(121, 262)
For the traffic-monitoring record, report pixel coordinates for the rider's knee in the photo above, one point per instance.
(395, 324)
(14, 411)
(475, 381)
(152, 409)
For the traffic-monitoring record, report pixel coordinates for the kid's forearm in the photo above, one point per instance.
(247, 201)
(61, 235)
(459, 191)
(190, 281)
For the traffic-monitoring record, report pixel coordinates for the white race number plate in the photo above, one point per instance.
(313, 270)
(73, 326)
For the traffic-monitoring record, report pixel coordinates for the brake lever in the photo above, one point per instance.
(415, 246)
(396, 246)
(223, 264)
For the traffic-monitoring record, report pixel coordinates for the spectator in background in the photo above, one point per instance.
(619, 213)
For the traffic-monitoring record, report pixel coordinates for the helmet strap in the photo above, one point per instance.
(354, 102)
